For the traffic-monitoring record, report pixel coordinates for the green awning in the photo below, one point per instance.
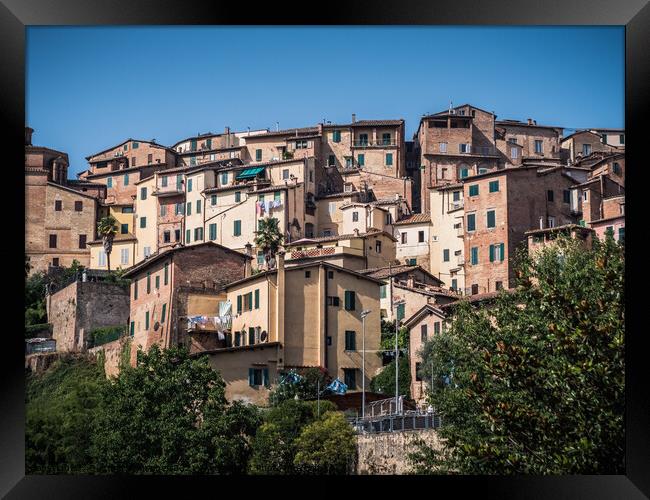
(249, 172)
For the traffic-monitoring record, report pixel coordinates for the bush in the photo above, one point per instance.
(100, 336)
(384, 382)
(38, 330)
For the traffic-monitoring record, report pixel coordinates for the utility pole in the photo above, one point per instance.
(363, 362)
(397, 304)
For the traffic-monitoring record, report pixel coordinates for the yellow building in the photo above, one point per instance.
(122, 253)
(295, 317)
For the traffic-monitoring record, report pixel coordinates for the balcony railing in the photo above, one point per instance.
(313, 252)
(460, 260)
(375, 144)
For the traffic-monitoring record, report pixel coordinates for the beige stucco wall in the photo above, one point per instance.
(148, 236)
(445, 236)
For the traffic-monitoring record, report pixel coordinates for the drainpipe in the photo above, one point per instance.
(322, 274)
(279, 303)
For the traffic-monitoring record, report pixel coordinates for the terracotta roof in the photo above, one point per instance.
(414, 219)
(557, 228)
(130, 139)
(607, 219)
(432, 291)
(117, 238)
(426, 309)
(70, 189)
(385, 272)
(166, 253)
(377, 123)
(476, 298)
(341, 194)
(286, 132)
(517, 123)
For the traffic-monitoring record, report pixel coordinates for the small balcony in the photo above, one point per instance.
(169, 190)
(460, 260)
(460, 232)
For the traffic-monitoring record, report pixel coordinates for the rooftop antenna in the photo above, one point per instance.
(451, 105)
(277, 126)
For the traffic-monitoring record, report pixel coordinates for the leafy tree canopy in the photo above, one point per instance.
(535, 385)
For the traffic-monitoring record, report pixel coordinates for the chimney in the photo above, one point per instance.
(354, 117)
(320, 129)
(28, 136)
(247, 264)
(530, 121)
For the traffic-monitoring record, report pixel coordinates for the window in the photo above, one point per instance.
(330, 275)
(378, 246)
(350, 300)
(258, 377)
(551, 222)
(464, 148)
(616, 168)
(78, 206)
(423, 333)
(499, 285)
(157, 282)
(436, 327)
(382, 291)
(126, 179)
(348, 162)
(621, 234)
(224, 178)
(237, 228)
(443, 147)
(404, 237)
(464, 172)
(389, 159)
(333, 301)
(349, 378)
(101, 257)
(189, 185)
(350, 340)
(401, 311)
(143, 193)
(162, 313)
(167, 237)
(585, 196)
(566, 196)
(454, 284)
(456, 196)
(198, 206)
(586, 149)
(474, 289)
(237, 196)
(132, 329)
(311, 176)
(491, 219)
(473, 190)
(363, 139)
(514, 153)
(385, 139)
(355, 216)
(550, 196)
(285, 174)
(389, 218)
(124, 256)
(52, 240)
(109, 182)
(420, 236)
(198, 234)
(189, 208)
(163, 210)
(474, 255)
(621, 138)
(445, 255)
(179, 182)
(188, 236)
(257, 299)
(133, 161)
(258, 155)
(471, 222)
(143, 222)
(58, 205)
(146, 320)
(336, 136)
(497, 252)
(149, 158)
(539, 147)
(361, 160)
(148, 281)
(494, 186)
(331, 160)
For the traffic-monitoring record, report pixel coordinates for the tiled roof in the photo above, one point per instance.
(286, 132)
(557, 228)
(117, 238)
(414, 219)
(319, 239)
(429, 290)
(385, 272)
(377, 123)
(476, 298)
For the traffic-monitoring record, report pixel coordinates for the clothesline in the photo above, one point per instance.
(265, 206)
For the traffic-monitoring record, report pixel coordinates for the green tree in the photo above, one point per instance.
(326, 446)
(169, 415)
(535, 385)
(384, 381)
(107, 229)
(60, 408)
(28, 266)
(269, 238)
(388, 336)
(35, 312)
(312, 379)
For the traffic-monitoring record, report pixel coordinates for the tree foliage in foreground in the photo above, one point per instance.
(535, 385)
(169, 415)
(384, 381)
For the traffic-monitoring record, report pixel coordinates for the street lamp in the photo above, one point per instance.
(397, 304)
(363, 362)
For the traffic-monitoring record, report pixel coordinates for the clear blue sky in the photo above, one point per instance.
(89, 88)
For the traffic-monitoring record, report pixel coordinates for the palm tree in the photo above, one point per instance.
(268, 238)
(107, 229)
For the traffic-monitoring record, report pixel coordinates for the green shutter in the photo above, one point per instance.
(251, 377)
(491, 253)
(251, 335)
(213, 231)
(265, 377)
(132, 328)
(188, 236)
(166, 273)
(250, 301)
(382, 291)
(148, 282)
(491, 218)
(239, 299)
(502, 252)
(400, 312)
(276, 196)
(146, 320)
(157, 281)
(162, 314)
(257, 298)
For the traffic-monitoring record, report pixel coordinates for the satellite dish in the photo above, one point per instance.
(263, 336)
(156, 325)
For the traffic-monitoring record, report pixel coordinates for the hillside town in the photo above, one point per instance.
(372, 227)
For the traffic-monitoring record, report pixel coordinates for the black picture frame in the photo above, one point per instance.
(15, 15)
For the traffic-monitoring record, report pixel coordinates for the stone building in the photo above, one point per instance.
(298, 317)
(413, 234)
(173, 285)
(583, 143)
(521, 143)
(79, 308)
(59, 216)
